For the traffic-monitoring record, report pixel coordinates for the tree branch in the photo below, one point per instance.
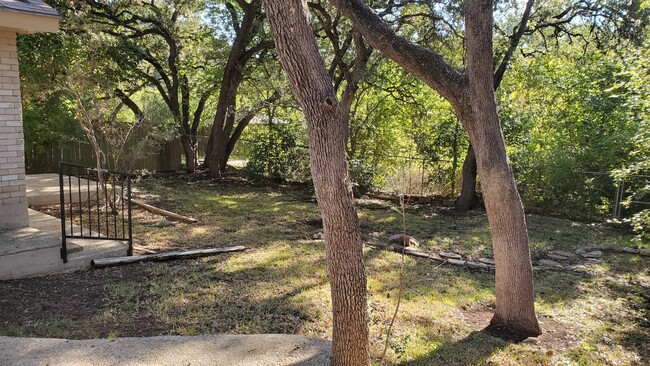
(233, 16)
(514, 43)
(424, 63)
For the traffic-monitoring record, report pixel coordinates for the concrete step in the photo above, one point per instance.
(26, 239)
(36, 251)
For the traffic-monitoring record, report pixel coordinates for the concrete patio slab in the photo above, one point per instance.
(35, 251)
(227, 350)
(43, 189)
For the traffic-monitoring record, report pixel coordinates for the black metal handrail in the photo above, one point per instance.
(98, 208)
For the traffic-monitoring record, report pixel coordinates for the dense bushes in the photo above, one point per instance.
(276, 153)
(566, 119)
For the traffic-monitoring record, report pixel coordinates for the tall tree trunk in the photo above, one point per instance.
(472, 96)
(515, 300)
(218, 149)
(222, 143)
(315, 93)
(189, 151)
(223, 123)
(454, 162)
(468, 197)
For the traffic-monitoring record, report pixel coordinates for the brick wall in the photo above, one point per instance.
(13, 200)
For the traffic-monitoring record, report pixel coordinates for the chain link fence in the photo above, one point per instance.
(414, 175)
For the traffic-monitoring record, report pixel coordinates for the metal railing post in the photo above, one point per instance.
(114, 214)
(130, 250)
(64, 250)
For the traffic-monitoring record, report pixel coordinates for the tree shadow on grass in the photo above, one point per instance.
(637, 339)
(631, 329)
(471, 350)
(556, 287)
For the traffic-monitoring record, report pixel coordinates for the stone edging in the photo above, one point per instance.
(585, 256)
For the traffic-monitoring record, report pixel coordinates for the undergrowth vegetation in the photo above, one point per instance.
(596, 316)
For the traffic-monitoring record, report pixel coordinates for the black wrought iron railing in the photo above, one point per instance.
(95, 204)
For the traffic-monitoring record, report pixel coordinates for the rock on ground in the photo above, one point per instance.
(550, 263)
(593, 254)
(405, 240)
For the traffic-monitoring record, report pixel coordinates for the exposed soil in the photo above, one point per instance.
(555, 336)
(80, 296)
(179, 297)
(76, 296)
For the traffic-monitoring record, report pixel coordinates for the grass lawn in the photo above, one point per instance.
(599, 315)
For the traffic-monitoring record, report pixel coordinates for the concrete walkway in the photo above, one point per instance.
(226, 350)
(43, 189)
(35, 251)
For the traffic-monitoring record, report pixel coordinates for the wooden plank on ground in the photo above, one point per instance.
(162, 212)
(162, 257)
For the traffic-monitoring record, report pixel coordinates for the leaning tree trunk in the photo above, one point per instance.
(468, 197)
(218, 152)
(515, 300)
(189, 151)
(472, 97)
(216, 158)
(315, 93)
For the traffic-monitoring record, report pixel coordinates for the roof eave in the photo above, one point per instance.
(22, 22)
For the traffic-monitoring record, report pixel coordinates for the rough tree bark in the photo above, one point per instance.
(515, 299)
(472, 97)
(343, 68)
(315, 93)
(226, 128)
(468, 198)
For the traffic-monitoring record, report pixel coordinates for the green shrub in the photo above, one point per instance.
(277, 154)
(362, 175)
(641, 225)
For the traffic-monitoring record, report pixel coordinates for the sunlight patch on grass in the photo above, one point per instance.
(279, 285)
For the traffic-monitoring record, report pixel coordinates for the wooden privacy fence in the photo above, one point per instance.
(45, 159)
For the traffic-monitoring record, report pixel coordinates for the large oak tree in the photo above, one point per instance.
(249, 43)
(471, 94)
(549, 22)
(326, 120)
(157, 44)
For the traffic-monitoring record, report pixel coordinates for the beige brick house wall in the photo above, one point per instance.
(13, 200)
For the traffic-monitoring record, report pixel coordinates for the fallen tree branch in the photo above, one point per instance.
(408, 251)
(162, 257)
(432, 256)
(166, 213)
(383, 197)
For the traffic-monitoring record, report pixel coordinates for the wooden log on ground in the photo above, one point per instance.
(431, 256)
(409, 251)
(383, 197)
(162, 212)
(162, 257)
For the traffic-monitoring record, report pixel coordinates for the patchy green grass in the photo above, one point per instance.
(598, 316)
